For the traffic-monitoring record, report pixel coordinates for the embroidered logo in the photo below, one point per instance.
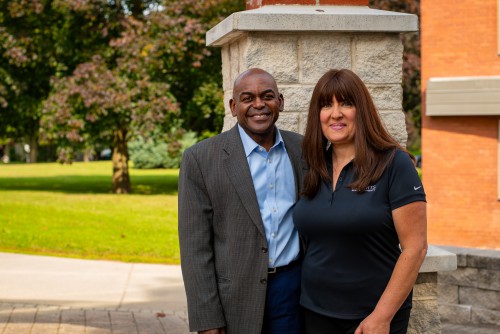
(416, 188)
(368, 189)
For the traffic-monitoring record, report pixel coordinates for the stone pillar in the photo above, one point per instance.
(424, 315)
(297, 42)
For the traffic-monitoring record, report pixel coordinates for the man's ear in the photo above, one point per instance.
(232, 106)
(282, 102)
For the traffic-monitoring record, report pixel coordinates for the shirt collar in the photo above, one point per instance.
(249, 145)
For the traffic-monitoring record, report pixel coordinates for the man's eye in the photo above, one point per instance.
(269, 97)
(246, 99)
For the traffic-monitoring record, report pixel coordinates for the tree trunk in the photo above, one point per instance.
(33, 149)
(121, 179)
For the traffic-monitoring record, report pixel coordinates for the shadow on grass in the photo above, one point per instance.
(95, 184)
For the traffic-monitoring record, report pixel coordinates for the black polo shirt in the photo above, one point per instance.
(351, 242)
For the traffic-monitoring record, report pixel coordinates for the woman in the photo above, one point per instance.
(362, 215)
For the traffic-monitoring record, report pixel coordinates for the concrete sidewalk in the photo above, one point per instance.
(41, 294)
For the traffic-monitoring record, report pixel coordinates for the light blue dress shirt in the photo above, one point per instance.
(274, 184)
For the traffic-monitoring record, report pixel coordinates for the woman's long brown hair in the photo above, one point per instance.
(375, 147)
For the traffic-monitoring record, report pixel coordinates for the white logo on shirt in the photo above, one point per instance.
(368, 189)
(416, 188)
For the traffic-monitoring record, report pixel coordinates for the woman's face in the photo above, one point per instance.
(338, 122)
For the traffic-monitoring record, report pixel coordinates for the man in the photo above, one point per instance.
(239, 248)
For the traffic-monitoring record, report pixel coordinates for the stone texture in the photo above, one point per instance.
(447, 294)
(461, 277)
(485, 317)
(378, 58)
(322, 52)
(274, 53)
(387, 97)
(288, 121)
(481, 298)
(229, 122)
(477, 261)
(494, 262)
(426, 278)
(394, 122)
(226, 68)
(450, 328)
(457, 314)
(234, 58)
(489, 279)
(303, 122)
(296, 97)
(423, 318)
(424, 291)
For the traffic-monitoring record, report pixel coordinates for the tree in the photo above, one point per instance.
(40, 39)
(411, 68)
(133, 89)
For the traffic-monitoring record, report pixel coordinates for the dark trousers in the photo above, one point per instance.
(282, 314)
(319, 324)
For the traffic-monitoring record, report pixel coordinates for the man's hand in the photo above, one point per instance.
(214, 331)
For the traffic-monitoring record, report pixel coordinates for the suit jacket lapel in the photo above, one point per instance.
(298, 164)
(236, 166)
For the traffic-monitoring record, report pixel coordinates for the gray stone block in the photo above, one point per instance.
(387, 97)
(478, 297)
(424, 318)
(297, 98)
(430, 277)
(378, 58)
(494, 263)
(288, 121)
(489, 279)
(275, 53)
(394, 122)
(447, 294)
(483, 316)
(424, 291)
(461, 277)
(477, 261)
(321, 52)
(457, 314)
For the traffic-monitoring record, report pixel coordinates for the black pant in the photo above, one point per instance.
(319, 324)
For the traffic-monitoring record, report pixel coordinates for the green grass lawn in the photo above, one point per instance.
(69, 210)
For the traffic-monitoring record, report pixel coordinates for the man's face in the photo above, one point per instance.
(256, 104)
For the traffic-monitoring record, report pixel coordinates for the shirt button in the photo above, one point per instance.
(274, 209)
(271, 186)
(264, 250)
(273, 235)
(269, 161)
(263, 281)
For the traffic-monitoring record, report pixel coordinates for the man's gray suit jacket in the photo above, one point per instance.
(222, 240)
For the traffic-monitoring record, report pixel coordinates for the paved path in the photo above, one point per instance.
(41, 294)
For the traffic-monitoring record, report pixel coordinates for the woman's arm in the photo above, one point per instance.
(411, 226)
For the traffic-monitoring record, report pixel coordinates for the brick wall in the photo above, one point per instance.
(460, 159)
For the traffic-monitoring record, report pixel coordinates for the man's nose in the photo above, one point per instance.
(258, 103)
